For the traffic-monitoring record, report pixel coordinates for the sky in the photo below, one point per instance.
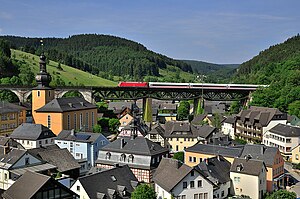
(217, 31)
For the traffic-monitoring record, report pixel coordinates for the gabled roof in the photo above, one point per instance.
(30, 183)
(286, 130)
(61, 105)
(215, 150)
(260, 115)
(216, 169)
(8, 160)
(137, 145)
(61, 158)
(87, 137)
(6, 107)
(260, 152)
(28, 131)
(247, 166)
(170, 172)
(230, 120)
(157, 129)
(117, 180)
(186, 129)
(198, 119)
(9, 142)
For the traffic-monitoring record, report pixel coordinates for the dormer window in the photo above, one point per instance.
(130, 158)
(123, 157)
(108, 154)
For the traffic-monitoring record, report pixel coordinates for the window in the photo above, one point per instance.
(108, 154)
(205, 195)
(68, 121)
(183, 197)
(78, 188)
(49, 93)
(38, 93)
(40, 142)
(297, 157)
(222, 193)
(80, 121)
(200, 159)
(200, 195)
(196, 196)
(192, 184)
(237, 179)
(199, 183)
(123, 157)
(176, 147)
(26, 161)
(194, 159)
(130, 158)
(92, 118)
(192, 173)
(87, 120)
(184, 185)
(190, 159)
(5, 176)
(46, 141)
(49, 121)
(75, 121)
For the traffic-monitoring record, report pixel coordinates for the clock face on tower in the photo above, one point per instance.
(38, 78)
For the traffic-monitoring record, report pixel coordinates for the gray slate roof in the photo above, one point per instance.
(170, 172)
(105, 182)
(286, 130)
(6, 107)
(28, 131)
(138, 145)
(230, 120)
(198, 119)
(215, 150)
(247, 166)
(87, 137)
(259, 116)
(216, 169)
(260, 152)
(66, 104)
(188, 130)
(29, 184)
(61, 158)
(12, 157)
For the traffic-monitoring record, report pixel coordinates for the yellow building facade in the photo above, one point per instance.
(11, 116)
(296, 155)
(60, 113)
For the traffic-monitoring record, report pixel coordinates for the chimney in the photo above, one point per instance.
(206, 161)
(70, 104)
(82, 104)
(218, 157)
(73, 132)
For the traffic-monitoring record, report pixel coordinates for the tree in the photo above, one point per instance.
(235, 107)
(143, 191)
(217, 121)
(294, 108)
(183, 110)
(199, 109)
(148, 111)
(179, 156)
(113, 125)
(97, 128)
(284, 194)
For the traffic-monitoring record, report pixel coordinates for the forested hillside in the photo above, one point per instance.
(278, 66)
(101, 55)
(213, 73)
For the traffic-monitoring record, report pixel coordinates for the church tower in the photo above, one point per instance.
(43, 93)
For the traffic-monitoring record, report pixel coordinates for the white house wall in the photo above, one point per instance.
(82, 193)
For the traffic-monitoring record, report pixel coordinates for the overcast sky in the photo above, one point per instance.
(218, 31)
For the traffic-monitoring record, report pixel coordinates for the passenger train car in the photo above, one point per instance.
(190, 85)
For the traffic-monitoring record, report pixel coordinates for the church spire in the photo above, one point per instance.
(43, 78)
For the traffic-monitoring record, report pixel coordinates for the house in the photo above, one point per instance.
(120, 109)
(228, 126)
(173, 179)
(34, 185)
(293, 120)
(296, 155)
(11, 116)
(15, 163)
(157, 134)
(217, 170)
(199, 119)
(125, 120)
(7, 143)
(135, 124)
(61, 113)
(61, 158)
(251, 124)
(273, 160)
(180, 134)
(33, 135)
(118, 182)
(82, 144)
(141, 155)
(200, 152)
(284, 137)
(248, 177)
